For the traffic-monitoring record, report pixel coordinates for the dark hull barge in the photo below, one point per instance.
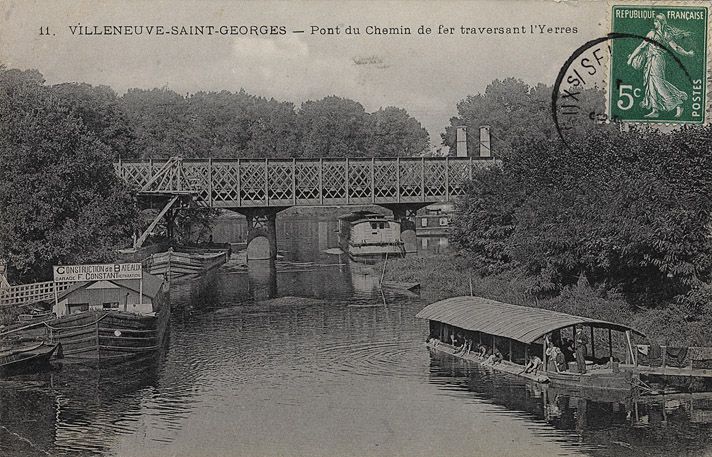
(105, 337)
(560, 349)
(104, 321)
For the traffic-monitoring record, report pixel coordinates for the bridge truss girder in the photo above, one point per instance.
(250, 183)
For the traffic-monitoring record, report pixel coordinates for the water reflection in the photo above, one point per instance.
(262, 279)
(74, 409)
(330, 368)
(433, 244)
(596, 422)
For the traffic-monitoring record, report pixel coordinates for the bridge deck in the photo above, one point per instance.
(239, 183)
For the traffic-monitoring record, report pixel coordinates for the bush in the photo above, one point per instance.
(629, 211)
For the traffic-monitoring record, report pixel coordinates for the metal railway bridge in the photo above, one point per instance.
(261, 188)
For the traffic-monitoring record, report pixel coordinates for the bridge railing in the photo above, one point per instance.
(309, 182)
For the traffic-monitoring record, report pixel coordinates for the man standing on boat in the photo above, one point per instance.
(581, 342)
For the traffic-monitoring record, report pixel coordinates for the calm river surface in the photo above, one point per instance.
(345, 375)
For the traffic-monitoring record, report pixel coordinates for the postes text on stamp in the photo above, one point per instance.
(659, 72)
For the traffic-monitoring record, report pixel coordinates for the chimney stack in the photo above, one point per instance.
(461, 136)
(485, 150)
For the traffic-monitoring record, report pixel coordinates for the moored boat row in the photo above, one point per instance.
(103, 321)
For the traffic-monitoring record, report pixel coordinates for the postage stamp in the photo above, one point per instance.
(658, 69)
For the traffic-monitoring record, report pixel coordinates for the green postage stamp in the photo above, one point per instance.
(659, 66)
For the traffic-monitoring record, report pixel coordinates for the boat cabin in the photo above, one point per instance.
(118, 295)
(464, 325)
(364, 233)
(435, 219)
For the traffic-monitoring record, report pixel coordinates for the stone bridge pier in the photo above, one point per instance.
(404, 213)
(261, 232)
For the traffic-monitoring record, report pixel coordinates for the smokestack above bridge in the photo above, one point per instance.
(485, 149)
(461, 138)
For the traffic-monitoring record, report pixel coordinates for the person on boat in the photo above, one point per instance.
(466, 346)
(533, 366)
(567, 349)
(560, 361)
(459, 340)
(482, 351)
(495, 358)
(557, 361)
(581, 342)
(457, 343)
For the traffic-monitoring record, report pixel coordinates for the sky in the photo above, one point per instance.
(427, 74)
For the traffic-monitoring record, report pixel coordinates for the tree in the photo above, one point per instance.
(101, 113)
(162, 123)
(61, 201)
(392, 132)
(627, 210)
(332, 127)
(516, 112)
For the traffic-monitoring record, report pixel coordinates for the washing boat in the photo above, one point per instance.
(613, 353)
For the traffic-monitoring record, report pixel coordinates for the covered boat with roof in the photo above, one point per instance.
(535, 343)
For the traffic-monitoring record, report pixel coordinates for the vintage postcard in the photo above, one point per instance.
(356, 228)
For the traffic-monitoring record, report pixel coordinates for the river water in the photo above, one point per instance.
(343, 374)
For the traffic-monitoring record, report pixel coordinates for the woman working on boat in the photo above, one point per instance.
(567, 348)
(466, 347)
(495, 358)
(533, 366)
(557, 361)
(581, 342)
(482, 351)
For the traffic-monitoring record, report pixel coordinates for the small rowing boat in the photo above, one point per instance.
(27, 358)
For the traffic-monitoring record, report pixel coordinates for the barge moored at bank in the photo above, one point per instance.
(607, 356)
(365, 235)
(104, 321)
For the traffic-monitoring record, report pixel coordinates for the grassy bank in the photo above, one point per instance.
(446, 275)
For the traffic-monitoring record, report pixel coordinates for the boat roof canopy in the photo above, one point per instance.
(520, 323)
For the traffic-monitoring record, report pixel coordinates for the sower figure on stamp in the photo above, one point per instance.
(660, 94)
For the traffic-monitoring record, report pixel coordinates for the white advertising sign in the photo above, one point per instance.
(97, 272)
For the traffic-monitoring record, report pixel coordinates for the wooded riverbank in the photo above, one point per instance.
(448, 275)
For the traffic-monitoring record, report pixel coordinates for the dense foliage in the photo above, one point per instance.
(628, 211)
(60, 200)
(231, 125)
(516, 112)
